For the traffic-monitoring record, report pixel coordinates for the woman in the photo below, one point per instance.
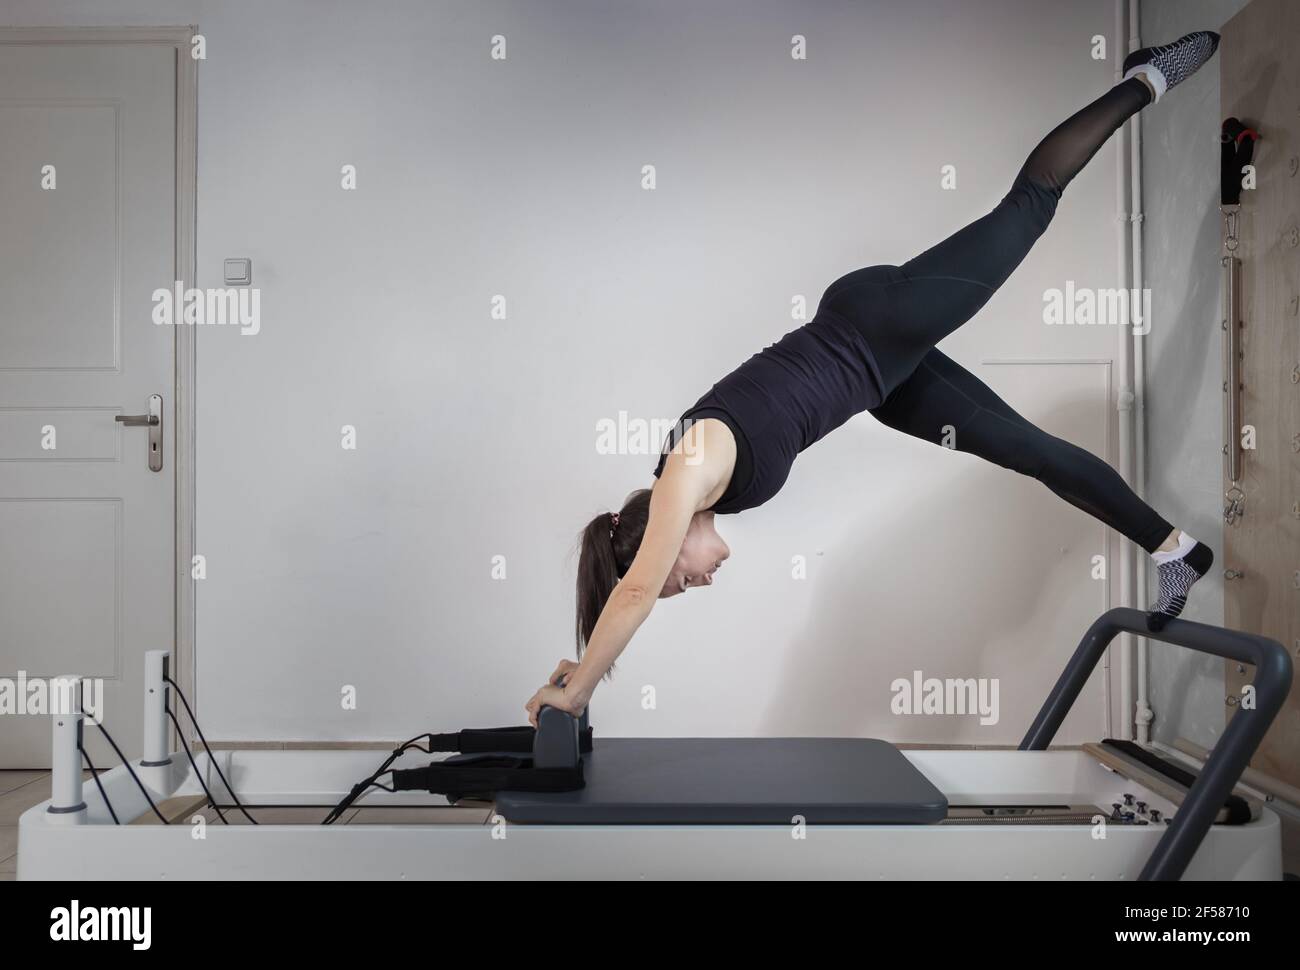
(870, 347)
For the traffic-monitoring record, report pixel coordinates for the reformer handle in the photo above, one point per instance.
(1231, 756)
(556, 744)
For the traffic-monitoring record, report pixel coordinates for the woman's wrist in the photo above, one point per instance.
(578, 689)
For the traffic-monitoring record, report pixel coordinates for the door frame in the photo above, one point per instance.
(186, 164)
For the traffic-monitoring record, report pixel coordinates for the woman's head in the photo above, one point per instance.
(610, 542)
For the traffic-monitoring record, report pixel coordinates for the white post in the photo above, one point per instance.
(1124, 396)
(157, 664)
(66, 804)
(1143, 715)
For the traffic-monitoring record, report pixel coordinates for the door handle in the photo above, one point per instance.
(153, 421)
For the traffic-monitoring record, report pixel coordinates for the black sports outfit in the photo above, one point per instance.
(870, 347)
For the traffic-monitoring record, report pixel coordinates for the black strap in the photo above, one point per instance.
(1237, 150)
(487, 774)
(515, 740)
(478, 774)
(479, 740)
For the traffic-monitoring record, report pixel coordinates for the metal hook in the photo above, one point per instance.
(1236, 504)
(1230, 214)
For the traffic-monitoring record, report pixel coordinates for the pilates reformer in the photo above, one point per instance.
(805, 808)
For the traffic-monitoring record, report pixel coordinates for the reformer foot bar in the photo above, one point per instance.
(1232, 754)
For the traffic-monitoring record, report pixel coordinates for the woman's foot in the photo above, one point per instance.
(1176, 572)
(1169, 65)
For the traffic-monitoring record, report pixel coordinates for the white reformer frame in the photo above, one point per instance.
(58, 839)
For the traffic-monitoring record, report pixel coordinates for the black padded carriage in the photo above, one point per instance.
(737, 781)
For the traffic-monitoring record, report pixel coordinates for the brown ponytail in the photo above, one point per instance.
(607, 547)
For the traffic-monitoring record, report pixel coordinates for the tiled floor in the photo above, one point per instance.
(19, 791)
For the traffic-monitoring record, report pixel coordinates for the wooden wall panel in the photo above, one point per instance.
(1260, 72)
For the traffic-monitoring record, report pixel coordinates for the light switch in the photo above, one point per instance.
(239, 272)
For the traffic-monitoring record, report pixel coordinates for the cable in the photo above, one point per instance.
(361, 787)
(94, 773)
(211, 758)
(356, 792)
(143, 791)
(193, 764)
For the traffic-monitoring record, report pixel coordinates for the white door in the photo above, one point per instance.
(87, 233)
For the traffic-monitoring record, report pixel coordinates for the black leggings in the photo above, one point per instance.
(903, 311)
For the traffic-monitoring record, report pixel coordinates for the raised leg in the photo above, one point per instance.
(941, 395)
(905, 310)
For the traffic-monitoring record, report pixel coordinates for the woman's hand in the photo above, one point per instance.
(562, 672)
(566, 699)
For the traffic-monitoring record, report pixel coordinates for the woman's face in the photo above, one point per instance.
(702, 552)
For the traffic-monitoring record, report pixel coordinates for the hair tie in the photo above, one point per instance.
(613, 523)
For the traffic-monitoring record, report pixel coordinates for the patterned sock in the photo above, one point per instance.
(1176, 572)
(1171, 64)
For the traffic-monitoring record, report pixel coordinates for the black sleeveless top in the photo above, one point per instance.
(781, 400)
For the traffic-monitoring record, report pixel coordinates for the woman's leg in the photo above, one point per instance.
(942, 402)
(904, 311)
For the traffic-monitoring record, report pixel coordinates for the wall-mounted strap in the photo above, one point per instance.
(1237, 149)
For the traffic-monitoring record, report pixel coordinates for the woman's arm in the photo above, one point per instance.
(672, 504)
(689, 482)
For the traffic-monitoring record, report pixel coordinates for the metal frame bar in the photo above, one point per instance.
(1232, 324)
(1232, 754)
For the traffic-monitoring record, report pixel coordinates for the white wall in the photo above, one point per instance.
(477, 437)
(1180, 180)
